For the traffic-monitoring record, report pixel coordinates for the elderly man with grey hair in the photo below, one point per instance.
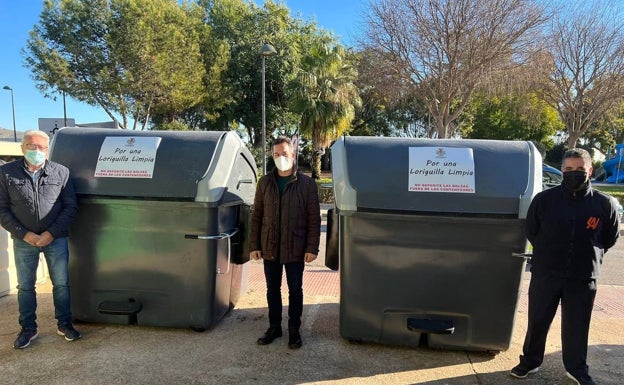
(37, 207)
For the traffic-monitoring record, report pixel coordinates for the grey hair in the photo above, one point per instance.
(32, 133)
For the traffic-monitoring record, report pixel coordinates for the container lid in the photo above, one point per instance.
(435, 175)
(149, 164)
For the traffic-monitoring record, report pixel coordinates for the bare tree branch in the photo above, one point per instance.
(587, 79)
(446, 48)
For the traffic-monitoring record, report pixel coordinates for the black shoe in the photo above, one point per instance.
(24, 338)
(271, 334)
(294, 339)
(581, 379)
(522, 371)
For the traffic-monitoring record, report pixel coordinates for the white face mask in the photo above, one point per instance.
(283, 163)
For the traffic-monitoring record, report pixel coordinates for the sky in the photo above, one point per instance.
(17, 18)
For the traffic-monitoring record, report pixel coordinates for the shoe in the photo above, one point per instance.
(69, 332)
(294, 339)
(521, 371)
(271, 334)
(24, 338)
(584, 379)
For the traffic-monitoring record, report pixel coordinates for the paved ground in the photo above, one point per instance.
(227, 354)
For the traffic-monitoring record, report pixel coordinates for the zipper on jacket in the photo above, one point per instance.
(36, 195)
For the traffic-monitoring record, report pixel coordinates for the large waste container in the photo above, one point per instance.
(160, 232)
(428, 233)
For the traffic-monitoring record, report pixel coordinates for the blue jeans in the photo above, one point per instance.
(26, 262)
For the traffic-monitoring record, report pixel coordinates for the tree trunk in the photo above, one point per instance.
(316, 165)
(573, 138)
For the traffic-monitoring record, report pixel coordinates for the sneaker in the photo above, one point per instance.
(521, 371)
(69, 332)
(584, 379)
(24, 338)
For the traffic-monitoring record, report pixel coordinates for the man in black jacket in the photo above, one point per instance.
(570, 226)
(37, 206)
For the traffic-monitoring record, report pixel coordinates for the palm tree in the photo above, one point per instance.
(325, 96)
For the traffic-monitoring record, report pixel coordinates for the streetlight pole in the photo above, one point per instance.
(266, 50)
(64, 111)
(12, 108)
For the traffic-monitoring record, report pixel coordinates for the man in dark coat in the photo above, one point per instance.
(285, 233)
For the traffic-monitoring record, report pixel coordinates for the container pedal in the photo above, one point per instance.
(430, 326)
(129, 307)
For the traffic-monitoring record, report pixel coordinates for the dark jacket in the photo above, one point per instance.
(295, 229)
(570, 232)
(50, 205)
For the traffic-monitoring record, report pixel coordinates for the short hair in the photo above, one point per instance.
(31, 133)
(283, 139)
(578, 153)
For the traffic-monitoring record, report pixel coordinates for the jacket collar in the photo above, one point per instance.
(294, 173)
(578, 194)
(43, 168)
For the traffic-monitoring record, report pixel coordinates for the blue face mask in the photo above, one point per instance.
(35, 157)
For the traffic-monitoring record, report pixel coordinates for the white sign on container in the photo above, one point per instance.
(441, 169)
(127, 157)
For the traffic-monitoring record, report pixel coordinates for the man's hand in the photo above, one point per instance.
(44, 239)
(309, 257)
(256, 255)
(31, 238)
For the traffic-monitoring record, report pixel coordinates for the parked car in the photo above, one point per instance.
(552, 177)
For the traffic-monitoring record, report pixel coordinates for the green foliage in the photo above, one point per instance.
(325, 190)
(608, 130)
(172, 126)
(325, 95)
(131, 57)
(244, 27)
(523, 117)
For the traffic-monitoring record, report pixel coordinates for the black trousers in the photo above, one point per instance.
(577, 301)
(294, 279)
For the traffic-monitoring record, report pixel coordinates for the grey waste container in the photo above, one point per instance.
(161, 228)
(425, 234)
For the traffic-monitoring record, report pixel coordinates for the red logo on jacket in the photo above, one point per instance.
(592, 223)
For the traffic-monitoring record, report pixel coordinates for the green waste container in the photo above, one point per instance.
(160, 236)
(426, 235)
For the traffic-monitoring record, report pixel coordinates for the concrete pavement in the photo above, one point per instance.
(228, 354)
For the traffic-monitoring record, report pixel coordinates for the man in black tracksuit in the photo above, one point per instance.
(570, 226)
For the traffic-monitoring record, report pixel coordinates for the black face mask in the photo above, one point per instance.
(575, 180)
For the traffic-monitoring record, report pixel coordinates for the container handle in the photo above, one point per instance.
(246, 181)
(522, 255)
(225, 235)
